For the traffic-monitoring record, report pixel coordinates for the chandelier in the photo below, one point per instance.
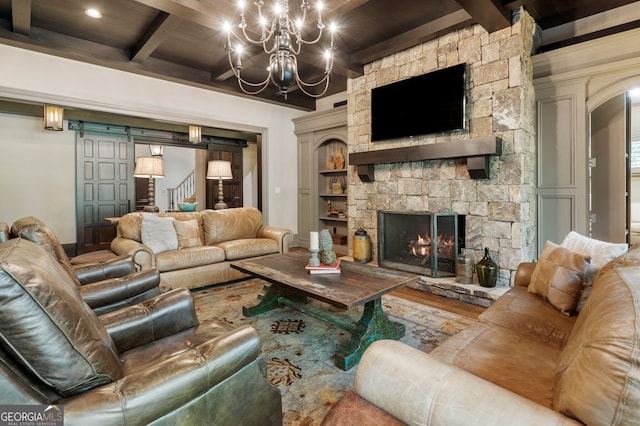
(281, 37)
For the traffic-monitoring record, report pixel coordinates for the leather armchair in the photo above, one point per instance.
(105, 286)
(151, 363)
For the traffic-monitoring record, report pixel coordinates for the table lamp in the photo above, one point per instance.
(221, 170)
(150, 167)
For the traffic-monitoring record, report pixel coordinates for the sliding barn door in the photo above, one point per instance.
(104, 187)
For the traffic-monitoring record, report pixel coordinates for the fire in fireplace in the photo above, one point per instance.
(420, 242)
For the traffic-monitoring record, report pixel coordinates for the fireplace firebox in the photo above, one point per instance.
(420, 242)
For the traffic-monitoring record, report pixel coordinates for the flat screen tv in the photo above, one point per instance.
(422, 105)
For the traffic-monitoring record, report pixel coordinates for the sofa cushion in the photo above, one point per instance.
(230, 224)
(525, 366)
(188, 258)
(600, 252)
(558, 276)
(47, 327)
(241, 249)
(598, 379)
(530, 315)
(188, 233)
(158, 233)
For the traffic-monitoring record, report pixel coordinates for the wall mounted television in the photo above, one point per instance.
(426, 104)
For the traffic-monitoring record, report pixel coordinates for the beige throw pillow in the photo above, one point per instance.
(558, 276)
(600, 252)
(188, 233)
(158, 233)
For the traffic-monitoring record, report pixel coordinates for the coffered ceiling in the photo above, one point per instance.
(183, 40)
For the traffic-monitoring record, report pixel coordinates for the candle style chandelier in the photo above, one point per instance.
(281, 37)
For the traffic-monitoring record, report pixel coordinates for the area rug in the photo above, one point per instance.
(297, 349)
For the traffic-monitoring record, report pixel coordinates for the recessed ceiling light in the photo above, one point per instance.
(94, 13)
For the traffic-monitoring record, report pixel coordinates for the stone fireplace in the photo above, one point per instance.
(420, 242)
(499, 209)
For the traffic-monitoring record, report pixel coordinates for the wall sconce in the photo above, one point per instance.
(150, 167)
(220, 170)
(53, 116)
(156, 150)
(195, 134)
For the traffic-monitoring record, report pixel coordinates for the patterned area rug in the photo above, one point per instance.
(298, 349)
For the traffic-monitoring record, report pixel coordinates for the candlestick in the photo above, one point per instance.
(313, 241)
(314, 260)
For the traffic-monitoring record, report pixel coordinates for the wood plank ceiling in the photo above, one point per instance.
(183, 40)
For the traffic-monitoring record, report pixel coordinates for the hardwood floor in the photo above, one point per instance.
(461, 308)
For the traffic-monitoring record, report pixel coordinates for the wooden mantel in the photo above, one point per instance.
(476, 151)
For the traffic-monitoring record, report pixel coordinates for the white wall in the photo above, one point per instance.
(37, 174)
(38, 77)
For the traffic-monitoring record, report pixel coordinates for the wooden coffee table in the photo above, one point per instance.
(357, 284)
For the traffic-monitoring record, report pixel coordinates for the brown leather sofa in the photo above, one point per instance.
(104, 286)
(222, 237)
(151, 363)
(523, 363)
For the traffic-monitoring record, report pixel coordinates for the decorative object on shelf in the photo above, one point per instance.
(221, 170)
(53, 117)
(313, 248)
(151, 168)
(336, 186)
(327, 255)
(328, 207)
(188, 207)
(331, 163)
(276, 34)
(339, 159)
(487, 270)
(361, 246)
(464, 268)
(343, 183)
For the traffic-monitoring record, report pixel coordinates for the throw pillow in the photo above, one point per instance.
(158, 233)
(188, 233)
(558, 276)
(600, 252)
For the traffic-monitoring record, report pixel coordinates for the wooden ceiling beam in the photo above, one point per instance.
(21, 16)
(425, 32)
(490, 14)
(158, 31)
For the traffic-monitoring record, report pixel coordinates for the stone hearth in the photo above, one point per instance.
(468, 293)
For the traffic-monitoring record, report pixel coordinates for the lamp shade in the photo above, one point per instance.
(149, 167)
(219, 169)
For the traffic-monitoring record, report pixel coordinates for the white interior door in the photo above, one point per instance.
(608, 171)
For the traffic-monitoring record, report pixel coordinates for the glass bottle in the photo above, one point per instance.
(487, 270)
(464, 268)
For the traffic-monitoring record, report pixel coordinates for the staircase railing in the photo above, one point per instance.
(185, 189)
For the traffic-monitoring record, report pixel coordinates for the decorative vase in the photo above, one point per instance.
(339, 159)
(361, 246)
(487, 270)
(464, 268)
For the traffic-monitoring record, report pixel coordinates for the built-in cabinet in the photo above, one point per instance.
(322, 177)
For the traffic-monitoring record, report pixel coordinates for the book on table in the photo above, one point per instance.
(334, 268)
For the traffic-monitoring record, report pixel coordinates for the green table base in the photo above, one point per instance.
(373, 325)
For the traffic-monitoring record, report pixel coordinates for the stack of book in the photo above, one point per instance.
(324, 269)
